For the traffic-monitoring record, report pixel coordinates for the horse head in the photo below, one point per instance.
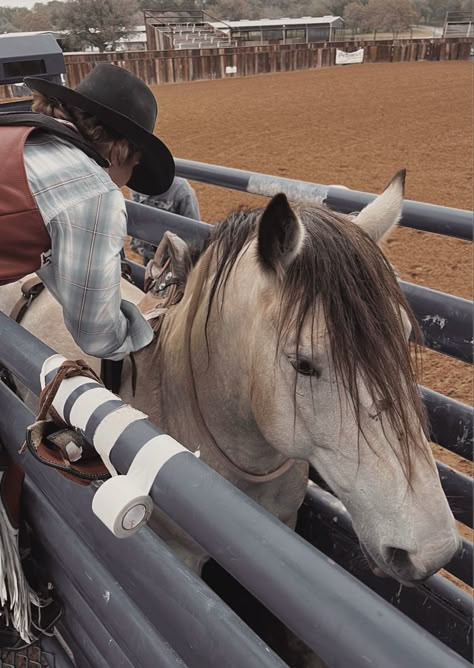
(308, 357)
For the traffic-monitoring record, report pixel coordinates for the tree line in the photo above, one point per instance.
(397, 16)
(101, 23)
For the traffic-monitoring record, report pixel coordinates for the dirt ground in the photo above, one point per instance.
(355, 126)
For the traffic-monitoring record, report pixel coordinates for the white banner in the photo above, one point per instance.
(343, 58)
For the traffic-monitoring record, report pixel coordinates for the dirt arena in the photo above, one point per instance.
(354, 126)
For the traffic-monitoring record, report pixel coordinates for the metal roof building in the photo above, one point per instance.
(283, 30)
(198, 29)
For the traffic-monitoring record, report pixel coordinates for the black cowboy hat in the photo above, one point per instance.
(125, 104)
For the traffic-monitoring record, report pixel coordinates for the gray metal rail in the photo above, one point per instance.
(438, 606)
(450, 422)
(418, 215)
(446, 321)
(85, 585)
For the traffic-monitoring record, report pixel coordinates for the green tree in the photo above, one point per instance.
(258, 9)
(309, 8)
(433, 12)
(36, 19)
(14, 19)
(54, 10)
(99, 24)
(173, 5)
(42, 16)
(232, 10)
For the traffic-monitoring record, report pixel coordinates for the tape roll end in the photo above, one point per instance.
(122, 506)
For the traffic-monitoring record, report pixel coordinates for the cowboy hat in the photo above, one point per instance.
(125, 104)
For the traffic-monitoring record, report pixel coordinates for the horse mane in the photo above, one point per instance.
(344, 271)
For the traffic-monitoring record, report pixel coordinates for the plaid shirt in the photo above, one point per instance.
(84, 212)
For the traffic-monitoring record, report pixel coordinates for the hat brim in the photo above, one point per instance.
(154, 174)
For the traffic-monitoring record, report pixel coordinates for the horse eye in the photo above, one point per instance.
(305, 368)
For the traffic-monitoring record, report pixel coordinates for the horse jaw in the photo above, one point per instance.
(379, 217)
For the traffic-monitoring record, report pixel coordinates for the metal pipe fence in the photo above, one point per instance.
(175, 601)
(418, 215)
(283, 571)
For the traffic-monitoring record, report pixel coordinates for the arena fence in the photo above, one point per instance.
(132, 603)
(163, 67)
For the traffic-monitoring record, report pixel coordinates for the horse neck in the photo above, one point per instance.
(222, 385)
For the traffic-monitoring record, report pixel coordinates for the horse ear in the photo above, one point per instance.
(280, 234)
(380, 216)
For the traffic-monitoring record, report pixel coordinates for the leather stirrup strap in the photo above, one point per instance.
(29, 291)
(65, 450)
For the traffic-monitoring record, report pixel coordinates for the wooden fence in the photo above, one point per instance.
(163, 67)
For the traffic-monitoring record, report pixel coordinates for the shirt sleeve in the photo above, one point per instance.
(84, 275)
(187, 204)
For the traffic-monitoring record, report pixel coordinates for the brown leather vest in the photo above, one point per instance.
(23, 235)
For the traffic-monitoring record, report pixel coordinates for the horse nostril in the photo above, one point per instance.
(396, 559)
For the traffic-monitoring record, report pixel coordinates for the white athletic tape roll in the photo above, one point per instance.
(50, 364)
(123, 503)
(121, 506)
(111, 428)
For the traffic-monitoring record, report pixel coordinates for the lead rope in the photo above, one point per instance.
(203, 429)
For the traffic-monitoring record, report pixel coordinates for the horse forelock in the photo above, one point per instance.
(342, 270)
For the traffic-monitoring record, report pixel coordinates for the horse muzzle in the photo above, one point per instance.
(411, 568)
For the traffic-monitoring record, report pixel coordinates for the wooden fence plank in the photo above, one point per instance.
(160, 67)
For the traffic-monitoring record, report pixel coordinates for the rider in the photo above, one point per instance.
(180, 199)
(62, 212)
